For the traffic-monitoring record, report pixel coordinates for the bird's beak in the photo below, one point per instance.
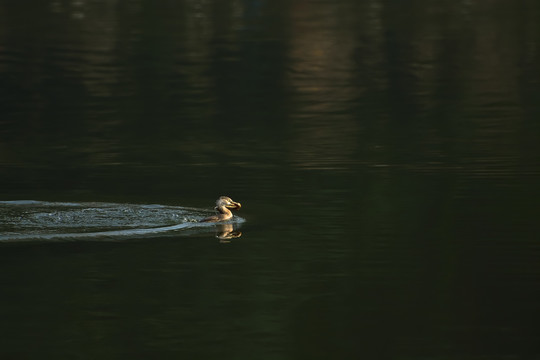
(234, 205)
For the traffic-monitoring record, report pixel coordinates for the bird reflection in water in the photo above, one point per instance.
(226, 232)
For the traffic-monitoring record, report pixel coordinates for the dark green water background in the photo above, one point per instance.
(386, 154)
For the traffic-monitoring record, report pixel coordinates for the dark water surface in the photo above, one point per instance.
(386, 154)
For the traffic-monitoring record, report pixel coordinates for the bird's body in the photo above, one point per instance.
(223, 204)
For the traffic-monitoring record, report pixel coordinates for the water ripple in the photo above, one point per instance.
(39, 220)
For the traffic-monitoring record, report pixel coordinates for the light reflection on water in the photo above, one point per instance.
(386, 153)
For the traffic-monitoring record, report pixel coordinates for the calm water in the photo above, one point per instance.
(386, 155)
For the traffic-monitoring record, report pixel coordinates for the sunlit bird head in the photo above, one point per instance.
(228, 203)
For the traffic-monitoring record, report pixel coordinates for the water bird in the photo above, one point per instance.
(223, 204)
